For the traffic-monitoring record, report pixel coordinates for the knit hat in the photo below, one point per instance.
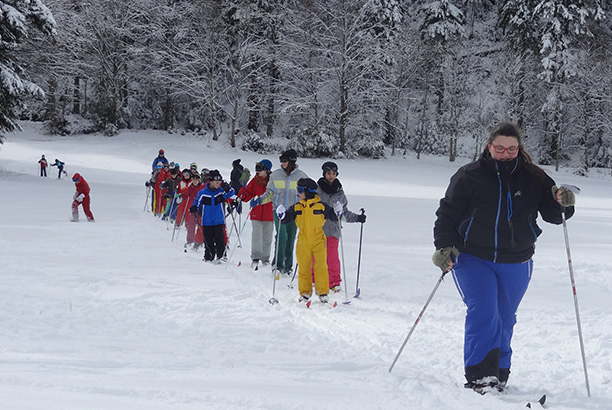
(289, 155)
(215, 175)
(265, 164)
(236, 162)
(307, 186)
(174, 171)
(329, 166)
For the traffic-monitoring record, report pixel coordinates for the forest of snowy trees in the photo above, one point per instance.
(327, 77)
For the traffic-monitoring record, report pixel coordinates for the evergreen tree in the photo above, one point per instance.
(16, 18)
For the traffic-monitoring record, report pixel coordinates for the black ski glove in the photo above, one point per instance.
(226, 187)
(193, 209)
(361, 218)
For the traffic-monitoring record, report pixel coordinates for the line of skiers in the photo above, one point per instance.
(284, 198)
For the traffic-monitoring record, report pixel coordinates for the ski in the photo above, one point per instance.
(540, 401)
(328, 304)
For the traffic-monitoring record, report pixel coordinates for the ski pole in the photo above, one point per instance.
(417, 320)
(147, 199)
(235, 245)
(357, 290)
(575, 190)
(290, 285)
(177, 223)
(275, 273)
(346, 299)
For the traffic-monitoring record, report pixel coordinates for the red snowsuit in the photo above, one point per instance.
(159, 203)
(81, 197)
(194, 228)
(183, 207)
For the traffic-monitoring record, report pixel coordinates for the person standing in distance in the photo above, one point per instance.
(485, 232)
(282, 189)
(161, 157)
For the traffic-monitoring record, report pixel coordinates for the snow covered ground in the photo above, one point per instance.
(114, 315)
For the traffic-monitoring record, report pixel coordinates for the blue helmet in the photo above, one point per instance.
(265, 164)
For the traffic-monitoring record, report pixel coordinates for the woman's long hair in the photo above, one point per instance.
(507, 129)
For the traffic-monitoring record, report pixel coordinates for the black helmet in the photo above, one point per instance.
(215, 175)
(289, 155)
(307, 186)
(329, 166)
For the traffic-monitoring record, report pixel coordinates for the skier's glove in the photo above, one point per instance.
(443, 258)
(568, 198)
(193, 209)
(361, 218)
(226, 187)
(179, 199)
(255, 202)
(338, 208)
(163, 185)
(280, 211)
(147, 184)
(80, 197)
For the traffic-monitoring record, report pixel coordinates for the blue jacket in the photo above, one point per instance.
(210, 205)
(157, 159)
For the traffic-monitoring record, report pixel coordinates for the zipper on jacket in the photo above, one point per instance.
(467, 230)
(509, 212)
(499, 202)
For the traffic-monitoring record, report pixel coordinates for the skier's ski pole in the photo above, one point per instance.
(275, 273)
(290, 285)
(346, 299)
(575, 190)
(357, 290)
(147, 199)
(236, 244)
(177, 223)
(416, 322)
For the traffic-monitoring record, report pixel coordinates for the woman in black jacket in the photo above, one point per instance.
(485, 232)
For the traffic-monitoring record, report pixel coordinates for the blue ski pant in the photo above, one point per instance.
(492, 293)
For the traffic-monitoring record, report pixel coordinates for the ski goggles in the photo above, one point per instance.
(259, 168)
(303, 189)
(327, 168)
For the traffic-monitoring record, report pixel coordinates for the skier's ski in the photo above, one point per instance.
(541, 402)
(328, 304)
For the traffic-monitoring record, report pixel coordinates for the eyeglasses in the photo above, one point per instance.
(500, 150)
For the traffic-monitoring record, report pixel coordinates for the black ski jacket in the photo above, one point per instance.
(490, 210)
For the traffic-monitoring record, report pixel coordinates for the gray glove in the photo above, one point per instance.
(568, 198)
(442, 258)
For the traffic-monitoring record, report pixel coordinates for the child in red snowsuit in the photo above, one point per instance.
(194, 230)
(81, 197)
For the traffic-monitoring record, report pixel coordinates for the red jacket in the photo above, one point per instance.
(190, 193)
(82, 187)
(256, 187)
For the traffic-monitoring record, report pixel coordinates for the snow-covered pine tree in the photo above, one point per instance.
(16, 19)
(443, 24)
(561, 23)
